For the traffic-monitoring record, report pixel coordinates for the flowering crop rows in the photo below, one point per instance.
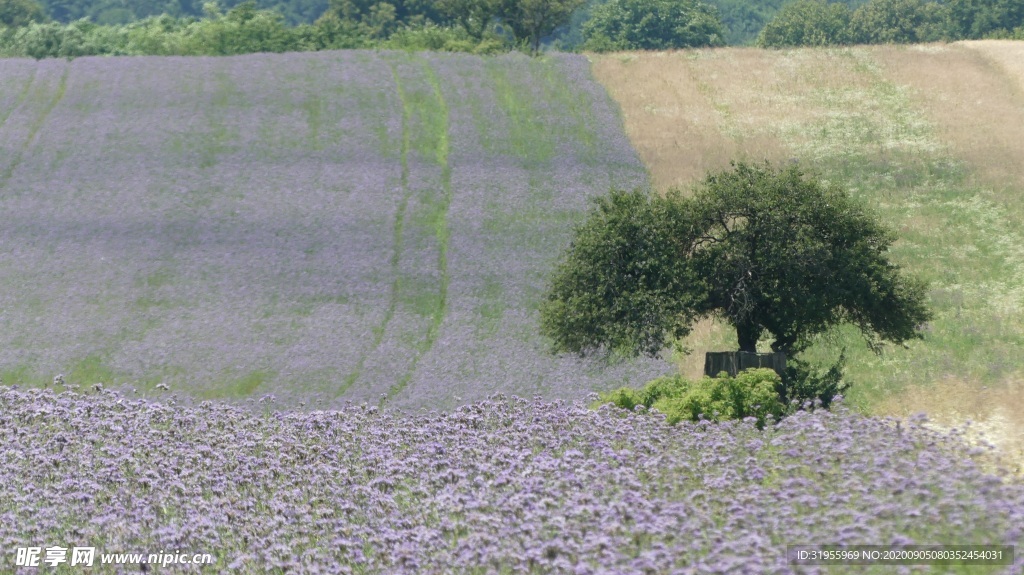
(346, 225)
(501, 485)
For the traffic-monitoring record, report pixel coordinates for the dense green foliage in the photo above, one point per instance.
(820, 23)
(652, 25)
(752, 393)
(626, 284)
(768, 250)
(808, 23)
(242, 30)
(599, 25)
(985, 18)
(531, 20)
(741, 20)
(448, 25)
(898, 22)
(805, 385)
(786, 254)
(21, 12)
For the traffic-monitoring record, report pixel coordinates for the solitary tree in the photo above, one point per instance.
(768, 250)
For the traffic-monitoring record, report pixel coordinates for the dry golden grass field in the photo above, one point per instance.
(930, 136)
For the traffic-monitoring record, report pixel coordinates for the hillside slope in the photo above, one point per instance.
(930, 136)
(350, 224)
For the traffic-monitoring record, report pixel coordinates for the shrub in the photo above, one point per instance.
(803, 383)
(625, 397)
(752, 393)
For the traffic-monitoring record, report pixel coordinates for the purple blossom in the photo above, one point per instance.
(503, 483)
(332, 226)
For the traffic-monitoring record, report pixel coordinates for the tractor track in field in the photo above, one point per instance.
(442, 233)
(21, 97)
(36, 126)
(396, 255)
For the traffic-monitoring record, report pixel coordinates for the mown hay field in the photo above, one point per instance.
(929, 136)
(317, 227)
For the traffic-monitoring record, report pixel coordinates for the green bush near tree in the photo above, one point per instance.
(752, 393)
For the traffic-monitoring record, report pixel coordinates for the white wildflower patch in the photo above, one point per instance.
(1003, 242)
(864, 114)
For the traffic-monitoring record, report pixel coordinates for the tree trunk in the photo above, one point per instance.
(733, 362)
(748, 333)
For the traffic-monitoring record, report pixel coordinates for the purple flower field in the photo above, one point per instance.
(312, 237)
(498, 486)
(320, 227)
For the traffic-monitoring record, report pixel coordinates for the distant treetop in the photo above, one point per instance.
(652, 25)
(821, 23)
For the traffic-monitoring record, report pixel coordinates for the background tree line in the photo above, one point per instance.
(28, 28)
(72, 28)
(823, 23)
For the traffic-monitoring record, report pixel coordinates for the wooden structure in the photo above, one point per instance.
(733, 362)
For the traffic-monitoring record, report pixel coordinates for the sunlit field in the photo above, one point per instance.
(282, 309)
(929, 136)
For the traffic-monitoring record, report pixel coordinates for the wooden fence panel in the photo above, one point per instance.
(733, 362)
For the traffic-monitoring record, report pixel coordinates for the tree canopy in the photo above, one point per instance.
(808, 23)
(531, 20)
(768, 250)
(21, 12)
(822, 23)
(653, 25)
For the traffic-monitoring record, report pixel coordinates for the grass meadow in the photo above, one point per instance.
(308, 284)
(929, 136)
